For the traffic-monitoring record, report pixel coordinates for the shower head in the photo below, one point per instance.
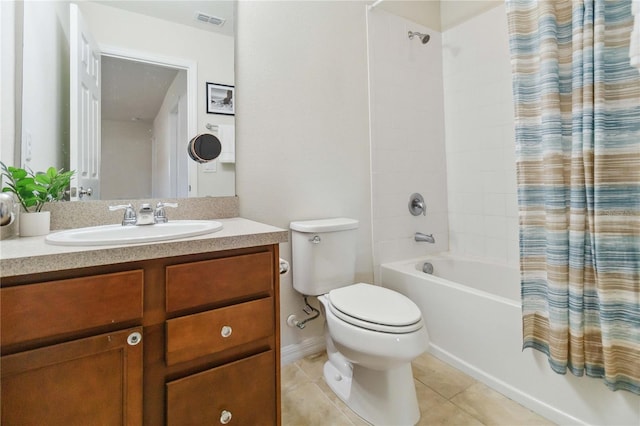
(424, 38)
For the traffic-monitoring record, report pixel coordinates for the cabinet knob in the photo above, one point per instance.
(225, 417)
(134, 338)
(226, 331)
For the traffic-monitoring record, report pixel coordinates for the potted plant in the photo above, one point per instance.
(32, 191)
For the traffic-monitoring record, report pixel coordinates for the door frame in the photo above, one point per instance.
(191, 67)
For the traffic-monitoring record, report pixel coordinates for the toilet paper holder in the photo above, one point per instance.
(284, 266)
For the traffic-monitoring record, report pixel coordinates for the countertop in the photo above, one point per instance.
(31, 255)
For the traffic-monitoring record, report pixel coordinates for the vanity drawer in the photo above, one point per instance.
(214, 281)
(245, 390)
(197, 335)
(48, 309)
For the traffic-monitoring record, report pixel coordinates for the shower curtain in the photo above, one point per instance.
(577, 104)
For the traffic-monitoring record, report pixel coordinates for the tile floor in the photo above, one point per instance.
(446, 395)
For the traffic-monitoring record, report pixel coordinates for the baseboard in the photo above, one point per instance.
(534, 404)
(310, 346)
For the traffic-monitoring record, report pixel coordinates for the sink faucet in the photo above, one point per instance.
(420, 237)
(145, 216)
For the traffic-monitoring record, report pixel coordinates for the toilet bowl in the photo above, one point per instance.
(369, 364)
(372, 333)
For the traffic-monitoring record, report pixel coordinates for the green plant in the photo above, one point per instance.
(35, 189)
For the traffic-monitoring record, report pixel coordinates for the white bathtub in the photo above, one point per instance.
(473, 317)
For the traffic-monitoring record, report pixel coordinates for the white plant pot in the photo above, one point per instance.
(34, 224)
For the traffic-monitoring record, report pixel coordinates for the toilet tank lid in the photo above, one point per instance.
(324, 225)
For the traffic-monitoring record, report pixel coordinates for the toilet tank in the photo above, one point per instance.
(323, 254)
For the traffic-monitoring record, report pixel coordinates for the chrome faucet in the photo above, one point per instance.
(146, 215)
(160, 216)
(424, 238)
(130, 217)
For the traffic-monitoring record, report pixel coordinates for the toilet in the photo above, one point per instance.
(372, 333)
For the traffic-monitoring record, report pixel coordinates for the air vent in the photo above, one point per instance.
(203, 17)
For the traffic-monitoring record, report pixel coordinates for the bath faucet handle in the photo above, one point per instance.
(160, 214)
(417, 205)
(130, 217)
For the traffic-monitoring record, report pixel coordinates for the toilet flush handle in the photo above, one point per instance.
(316, 239)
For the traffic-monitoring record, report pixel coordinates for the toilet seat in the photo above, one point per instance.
(375, 308)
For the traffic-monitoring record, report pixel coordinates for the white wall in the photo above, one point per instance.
(302, 125)
(45, 86)
(7, 82)
(407, 137)
(131, 179)
(479, 120)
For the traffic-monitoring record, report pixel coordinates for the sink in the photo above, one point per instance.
(118, 234)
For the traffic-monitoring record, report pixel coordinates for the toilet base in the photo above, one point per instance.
(380, 397)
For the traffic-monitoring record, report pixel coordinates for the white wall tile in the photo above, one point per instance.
(407, 137)
(479, 126)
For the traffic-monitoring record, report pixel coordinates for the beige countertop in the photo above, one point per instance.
(31, 255)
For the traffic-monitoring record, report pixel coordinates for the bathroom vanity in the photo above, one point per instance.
(177, 332)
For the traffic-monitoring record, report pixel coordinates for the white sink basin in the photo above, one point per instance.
(118, 234)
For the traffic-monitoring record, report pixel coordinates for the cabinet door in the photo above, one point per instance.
(239, 393)
(91, 381)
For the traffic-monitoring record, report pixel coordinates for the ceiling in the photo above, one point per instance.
(182, 11)
(133, 91)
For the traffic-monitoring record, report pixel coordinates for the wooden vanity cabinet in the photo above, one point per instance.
(209, 351)
(56, 369)
(91, 381)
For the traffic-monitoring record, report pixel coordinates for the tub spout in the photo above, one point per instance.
(420, 237)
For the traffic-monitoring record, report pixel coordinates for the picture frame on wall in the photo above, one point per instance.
(220, 99)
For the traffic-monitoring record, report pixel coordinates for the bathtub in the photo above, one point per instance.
(473, 316)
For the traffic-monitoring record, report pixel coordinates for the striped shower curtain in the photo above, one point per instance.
(577, 103)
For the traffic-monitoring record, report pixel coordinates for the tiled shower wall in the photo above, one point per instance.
(479, 128)
(407, 134)
(442, 125)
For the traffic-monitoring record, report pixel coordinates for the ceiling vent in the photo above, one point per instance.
(203, 17)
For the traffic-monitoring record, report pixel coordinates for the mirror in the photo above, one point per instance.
(156, 58)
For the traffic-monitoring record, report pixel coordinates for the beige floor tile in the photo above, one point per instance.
(439, 376)
(307, 405)
(446, 397)
(493, 408)
(436, 410)
(312, 365)
(355, 419)
(291, 377)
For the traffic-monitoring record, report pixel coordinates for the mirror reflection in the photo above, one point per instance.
(152, 63)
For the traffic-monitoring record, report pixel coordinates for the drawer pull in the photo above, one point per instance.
(226, 331)
(134, 338)
(225, 417)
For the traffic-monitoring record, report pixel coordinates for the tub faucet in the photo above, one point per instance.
(424, 238)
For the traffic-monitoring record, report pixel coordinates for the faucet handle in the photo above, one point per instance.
(129, 214)
(417, 205)
(160, 215)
